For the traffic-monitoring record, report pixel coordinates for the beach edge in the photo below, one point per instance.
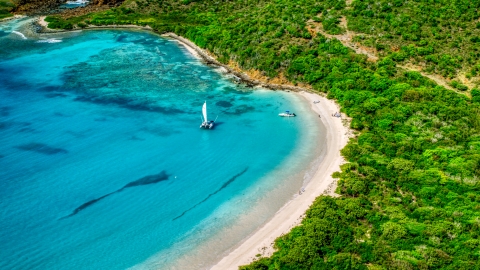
(291, 214)
(322, 183)
(189, 45)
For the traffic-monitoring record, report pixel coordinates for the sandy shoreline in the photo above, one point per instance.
(290, 215)
(190, 46)
(45, 30)
(12, 18)
(41, 21)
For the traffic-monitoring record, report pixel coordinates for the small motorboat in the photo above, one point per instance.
(287, 114)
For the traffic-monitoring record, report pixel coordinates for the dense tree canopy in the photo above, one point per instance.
(5, 7)
(443, 36)
(437, 36)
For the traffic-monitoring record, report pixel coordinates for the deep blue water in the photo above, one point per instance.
(103, 164)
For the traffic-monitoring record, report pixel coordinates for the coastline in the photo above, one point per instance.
(291, 214)
(41, 21)
(190, 46)
(12, 18)
(243, 77)
(45, 30)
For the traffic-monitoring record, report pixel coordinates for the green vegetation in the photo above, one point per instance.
(457, 85)
(442, 35)
(5, 7)
(410, 190)
(59, 23)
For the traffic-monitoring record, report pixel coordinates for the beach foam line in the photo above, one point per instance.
(50, 40)
(291, 214)
(19, 34)
(261, 242)
(77, 2)
(189, 48)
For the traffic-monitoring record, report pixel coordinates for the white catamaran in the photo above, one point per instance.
(206, 124)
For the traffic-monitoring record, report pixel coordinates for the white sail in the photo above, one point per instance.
(204, 111)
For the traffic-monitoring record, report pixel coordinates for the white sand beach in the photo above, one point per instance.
(290, 215)
(41, 21)
(261, 242)
(189, 47)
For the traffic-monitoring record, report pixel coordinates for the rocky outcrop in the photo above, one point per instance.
(36, 7)
(75, 12)
(106, 2)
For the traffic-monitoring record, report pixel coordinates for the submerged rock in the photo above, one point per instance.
(224, 104)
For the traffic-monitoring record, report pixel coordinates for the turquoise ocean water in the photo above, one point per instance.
(103, 164)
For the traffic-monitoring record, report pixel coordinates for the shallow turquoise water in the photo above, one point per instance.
(103, 165)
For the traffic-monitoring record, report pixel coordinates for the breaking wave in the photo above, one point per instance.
(19, 34)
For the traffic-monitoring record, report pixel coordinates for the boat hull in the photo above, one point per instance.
(207, 125)
(287, 115)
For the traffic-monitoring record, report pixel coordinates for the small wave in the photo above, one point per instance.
(20, 34)
(78, 2)
(50, 40)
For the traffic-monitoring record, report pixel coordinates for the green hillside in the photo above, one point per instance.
(434, 37)
(5, 7)
(410, 195)
(442, 36)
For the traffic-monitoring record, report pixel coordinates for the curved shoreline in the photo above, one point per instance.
(242, 76)
(194, 49)
(12, 18)
(45, 30)
(291, 214)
